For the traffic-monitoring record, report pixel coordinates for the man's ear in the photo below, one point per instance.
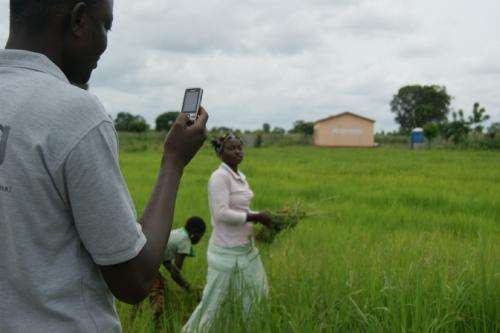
(78, 19)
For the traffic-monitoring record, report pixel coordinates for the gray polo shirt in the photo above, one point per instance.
(64, 207)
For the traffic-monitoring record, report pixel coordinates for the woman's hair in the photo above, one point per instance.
(218, 143)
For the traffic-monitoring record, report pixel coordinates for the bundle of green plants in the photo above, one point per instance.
(282, 219)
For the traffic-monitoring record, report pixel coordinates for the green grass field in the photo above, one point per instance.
(402, 241)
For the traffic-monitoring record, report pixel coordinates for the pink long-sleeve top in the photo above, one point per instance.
(229, 197)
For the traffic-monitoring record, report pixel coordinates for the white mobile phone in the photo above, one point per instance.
(191, 103)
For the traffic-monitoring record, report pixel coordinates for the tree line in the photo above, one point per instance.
(425, 106)
(127, 122)
(428, 107)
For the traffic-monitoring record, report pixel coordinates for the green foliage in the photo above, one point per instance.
(392, 138)
(456, 130)
(266, 128)
(285, 140)
(138, 125)
(303, 127)
(258, 141)
(133, 142)
(410, 242)
(285, 218)
(477, 118)
(278, 130)
(431, 131)
(416, 105)
(126, 122)
(165, 120)
(494, 130)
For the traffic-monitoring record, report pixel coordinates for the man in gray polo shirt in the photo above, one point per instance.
(69, 240)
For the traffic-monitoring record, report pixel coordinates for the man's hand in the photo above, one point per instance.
(184, 139)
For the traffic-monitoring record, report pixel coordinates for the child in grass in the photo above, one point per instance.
(179, 246)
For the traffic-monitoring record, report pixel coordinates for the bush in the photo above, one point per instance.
(258, 141)
(126, 122)
(494, 130)
(165, 120)
(138, 126)
(392, 138)
(431, 131)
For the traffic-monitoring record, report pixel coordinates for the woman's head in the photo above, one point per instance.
(229, 148)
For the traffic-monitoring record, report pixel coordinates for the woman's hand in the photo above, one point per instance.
(261, 217)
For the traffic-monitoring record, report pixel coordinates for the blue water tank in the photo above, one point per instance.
(417, 136)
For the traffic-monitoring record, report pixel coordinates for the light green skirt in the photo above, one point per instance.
(239, 268)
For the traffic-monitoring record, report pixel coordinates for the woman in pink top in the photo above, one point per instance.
(232, 257)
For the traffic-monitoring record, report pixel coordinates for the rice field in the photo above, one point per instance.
(394, 240)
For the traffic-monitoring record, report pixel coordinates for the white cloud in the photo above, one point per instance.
(278, 61)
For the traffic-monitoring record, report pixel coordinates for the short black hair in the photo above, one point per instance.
(34, 15)
(195, 224)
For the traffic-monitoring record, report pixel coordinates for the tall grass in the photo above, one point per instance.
(406, 240)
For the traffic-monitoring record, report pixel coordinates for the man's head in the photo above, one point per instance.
(195, 226)
(73, 33)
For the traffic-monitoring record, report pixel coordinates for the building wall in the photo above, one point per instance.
(344, 131)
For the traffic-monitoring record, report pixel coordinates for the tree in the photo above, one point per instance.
(458, 129)
(126, 122)
(138, 125)
(123, 120)
(494, 130)
(416, 105)
(478, 116)
(266, 128)
(430, 132)
(165, 120)
(303, 127)
(279, 130)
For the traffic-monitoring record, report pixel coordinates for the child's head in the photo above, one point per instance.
(195, 227)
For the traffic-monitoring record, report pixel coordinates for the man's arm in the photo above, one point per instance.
(131, 281)
(175, 272)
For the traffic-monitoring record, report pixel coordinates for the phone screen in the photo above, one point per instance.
(190, 101)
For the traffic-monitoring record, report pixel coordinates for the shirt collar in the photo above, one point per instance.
(30, 60)
(237, 176)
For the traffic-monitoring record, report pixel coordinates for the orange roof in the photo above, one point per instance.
(343, 114)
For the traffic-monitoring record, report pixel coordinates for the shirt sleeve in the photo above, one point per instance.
(185, 246)
(102, 209)
(218, 194)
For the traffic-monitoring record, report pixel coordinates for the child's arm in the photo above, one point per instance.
(179, 260)
(175, 273)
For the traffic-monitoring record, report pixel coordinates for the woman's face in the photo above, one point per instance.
(232, 152)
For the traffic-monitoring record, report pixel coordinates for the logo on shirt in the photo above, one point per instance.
(4, 134)
(5, 188)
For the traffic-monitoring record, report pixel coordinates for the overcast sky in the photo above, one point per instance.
(277, 61)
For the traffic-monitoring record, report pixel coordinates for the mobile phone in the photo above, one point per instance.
(191, 103)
